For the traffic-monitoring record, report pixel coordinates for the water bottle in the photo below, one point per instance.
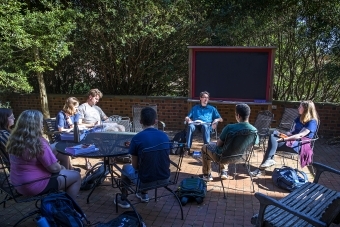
(41, 221)
(76, 133)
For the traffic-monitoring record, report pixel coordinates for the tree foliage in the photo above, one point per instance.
(132, 47)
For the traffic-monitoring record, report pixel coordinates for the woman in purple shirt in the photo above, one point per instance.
(304, 126)
(31, 159)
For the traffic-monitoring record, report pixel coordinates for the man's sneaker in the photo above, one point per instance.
(122, 203)
(256, 173)
(224, 174)
(267, 163)
(207, 177)
(143, 197)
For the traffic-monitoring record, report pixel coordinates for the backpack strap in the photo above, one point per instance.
(303, 174)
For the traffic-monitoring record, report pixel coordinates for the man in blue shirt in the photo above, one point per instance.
(203, 117)
(156, 174)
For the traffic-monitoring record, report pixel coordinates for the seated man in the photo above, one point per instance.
(211, 151)
(91, 114)
(149, 137)
(204, 117)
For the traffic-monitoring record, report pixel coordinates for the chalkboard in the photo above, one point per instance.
(232, 74)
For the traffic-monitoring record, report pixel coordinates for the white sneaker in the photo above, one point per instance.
(224, 174)
(267, 163)
(256, 173)
(207, 177)
(143, 197)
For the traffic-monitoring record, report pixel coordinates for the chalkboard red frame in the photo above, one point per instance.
(232, 73)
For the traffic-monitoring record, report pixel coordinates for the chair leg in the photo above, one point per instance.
(27, 216)
(179, 201)
(155, 194)
(223, 188)
(251, 178)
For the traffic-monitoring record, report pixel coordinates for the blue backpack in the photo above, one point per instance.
(192, 188)
(288, 178)
(60, 209)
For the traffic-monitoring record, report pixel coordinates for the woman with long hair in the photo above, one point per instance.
(65, 120)
(6, 122)
(68, 115)
(305, 125)
(32, 159)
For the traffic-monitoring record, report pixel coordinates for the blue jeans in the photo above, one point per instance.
(205, 129)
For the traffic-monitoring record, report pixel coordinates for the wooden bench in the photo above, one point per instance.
(310, 205)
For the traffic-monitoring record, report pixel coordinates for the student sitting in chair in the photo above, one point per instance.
(305, 126)
(211, 151)
(203, 117)
(147, 138)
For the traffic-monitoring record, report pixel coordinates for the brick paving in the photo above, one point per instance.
(215, 211)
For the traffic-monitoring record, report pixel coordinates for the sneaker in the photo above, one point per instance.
(122, 203)
(267, 163)
(143, 197)
(207, 177)
(224, 174)
(256, 173)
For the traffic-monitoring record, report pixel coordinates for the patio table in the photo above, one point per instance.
(109, 144)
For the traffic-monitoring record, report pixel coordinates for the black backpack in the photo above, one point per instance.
(126, 219)
(180, 137)
(92, 176)
(192, 189)
(60, 210)
(288, 178)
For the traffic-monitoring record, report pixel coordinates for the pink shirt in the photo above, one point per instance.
(25, 170)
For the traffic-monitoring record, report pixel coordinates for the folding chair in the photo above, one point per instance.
(287, 119)
(136, 110)
(11, 194)
(262, 124)
(139, 185)
(237, 148)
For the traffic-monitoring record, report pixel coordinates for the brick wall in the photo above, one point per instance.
(172, 110)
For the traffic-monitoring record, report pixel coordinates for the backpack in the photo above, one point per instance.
(192, 189)
(60, 210)
(92, 176)
(126, 219)
(288, 178)
(180, 137)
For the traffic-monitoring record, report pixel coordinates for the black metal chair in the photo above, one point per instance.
(287, 119)
(49, 129)
(11, 194)
(262, 124)
(237, 148)
(148, 153)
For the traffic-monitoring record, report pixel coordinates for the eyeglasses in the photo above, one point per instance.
(205, 97)
(11, 117)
